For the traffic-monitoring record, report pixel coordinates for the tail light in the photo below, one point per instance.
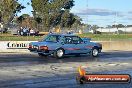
(30, 46)
(43, 48)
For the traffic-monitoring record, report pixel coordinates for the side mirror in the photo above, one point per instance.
(85, 41)
(62, 43)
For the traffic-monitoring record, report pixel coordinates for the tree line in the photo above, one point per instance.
(46, 14)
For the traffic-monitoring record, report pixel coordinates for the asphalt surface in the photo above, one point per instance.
(28, 70)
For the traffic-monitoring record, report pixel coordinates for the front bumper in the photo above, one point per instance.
(100, 49)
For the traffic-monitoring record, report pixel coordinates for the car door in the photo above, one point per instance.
(68, 45)
(79, 44)
(73, 44)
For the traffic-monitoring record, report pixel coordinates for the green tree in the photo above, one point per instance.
(94, 27)
(8, 9)
(21, 18)
(120, 26)
(53, 12)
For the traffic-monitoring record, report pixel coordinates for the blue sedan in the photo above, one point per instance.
(60, 45)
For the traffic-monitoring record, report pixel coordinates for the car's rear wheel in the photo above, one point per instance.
(42, 55)
(94, 52)
(59, 53)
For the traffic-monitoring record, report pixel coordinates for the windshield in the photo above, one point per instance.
(51, 38)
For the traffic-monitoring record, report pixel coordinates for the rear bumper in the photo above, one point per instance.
(46, 52)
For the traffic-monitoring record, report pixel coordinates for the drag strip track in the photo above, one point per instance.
(28, 70)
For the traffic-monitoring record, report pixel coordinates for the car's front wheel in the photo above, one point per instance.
(94, 52)
(59, 53)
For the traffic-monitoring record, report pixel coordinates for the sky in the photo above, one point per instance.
(98, 12)
(28, 8)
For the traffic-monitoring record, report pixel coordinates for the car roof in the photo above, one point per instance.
(63, 34)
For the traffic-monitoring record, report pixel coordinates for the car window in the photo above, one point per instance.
(76, 40)
(68, 40)
(73, 40)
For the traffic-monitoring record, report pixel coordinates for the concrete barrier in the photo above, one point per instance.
(117, 45)
(14, 46)
(21, 46)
